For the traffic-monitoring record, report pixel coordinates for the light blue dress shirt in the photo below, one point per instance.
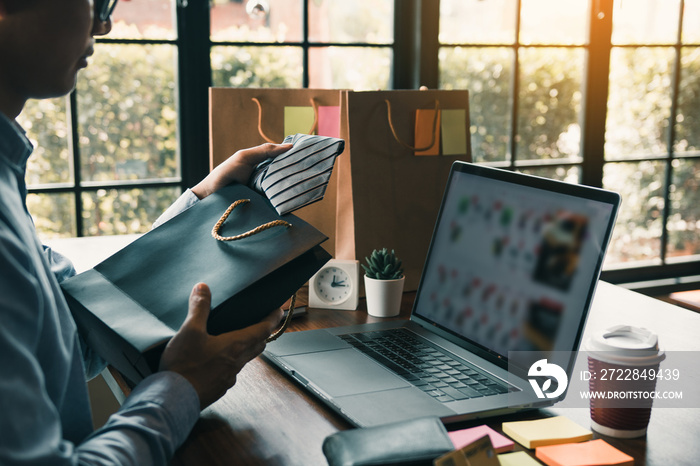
(44, 408)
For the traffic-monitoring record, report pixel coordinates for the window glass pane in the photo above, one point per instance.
(343, 21)
(46, 124)
(127, 114)
(486, 73)
(637, 233)
(337, 68)
(568, 174)
(53, 214)
(639, 102)
(560, 22)
(645, 21)
(691, 22)
(256, 66)
(256, 20)
(684, 220)
(477, 22)
(688, 117)
(143, 19)
(550, 103)
(124, 211)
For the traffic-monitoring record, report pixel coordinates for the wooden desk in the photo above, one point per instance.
(266, 419)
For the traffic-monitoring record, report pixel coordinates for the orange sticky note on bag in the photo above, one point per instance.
(592, 453)
(425, 122)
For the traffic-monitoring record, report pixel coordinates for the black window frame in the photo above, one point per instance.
(415, 63)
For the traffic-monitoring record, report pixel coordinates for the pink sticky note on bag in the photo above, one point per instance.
(329, 121)
(462, 438)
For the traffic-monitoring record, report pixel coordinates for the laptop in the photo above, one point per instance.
(512, 268)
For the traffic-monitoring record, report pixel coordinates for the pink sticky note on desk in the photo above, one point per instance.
(462, 438)
(592, 453)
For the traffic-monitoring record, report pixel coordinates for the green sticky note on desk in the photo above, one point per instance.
(298, 120)
(454, 132)
(549, 431)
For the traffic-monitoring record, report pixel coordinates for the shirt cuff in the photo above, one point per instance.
(184, 202)
(177, 398)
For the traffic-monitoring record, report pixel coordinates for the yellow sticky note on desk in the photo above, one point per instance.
(298, 120)
(454, 131)
(518, 458)
(549, 431)
(593, 453)
(425, 121)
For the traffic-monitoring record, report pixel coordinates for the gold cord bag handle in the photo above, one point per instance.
(406, 145)
(263, 227)
(314, 127)
(256, 230)
(285, 324)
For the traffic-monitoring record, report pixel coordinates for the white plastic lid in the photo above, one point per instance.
(626, 345)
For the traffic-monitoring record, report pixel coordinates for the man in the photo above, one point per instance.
(44, 409)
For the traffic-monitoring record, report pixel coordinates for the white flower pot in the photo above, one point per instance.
(383, 296)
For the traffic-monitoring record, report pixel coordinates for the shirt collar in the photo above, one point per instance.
(14, 144)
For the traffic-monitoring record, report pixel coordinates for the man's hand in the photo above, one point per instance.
(237, 168)
(211, 363)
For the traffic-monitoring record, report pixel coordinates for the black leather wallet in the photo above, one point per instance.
(413, 442)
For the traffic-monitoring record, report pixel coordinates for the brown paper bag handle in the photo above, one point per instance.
(314, 127)
(400, 141)
(265, 226)
(254, 231)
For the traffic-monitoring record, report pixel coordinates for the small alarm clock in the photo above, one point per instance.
(336, 285)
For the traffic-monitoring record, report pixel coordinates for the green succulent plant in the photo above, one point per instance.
(383, 265)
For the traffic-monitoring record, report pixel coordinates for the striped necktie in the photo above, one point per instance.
(299, 176)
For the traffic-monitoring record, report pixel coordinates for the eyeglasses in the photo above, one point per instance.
(105, 9)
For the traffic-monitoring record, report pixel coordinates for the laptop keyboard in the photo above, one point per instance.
(425, 366)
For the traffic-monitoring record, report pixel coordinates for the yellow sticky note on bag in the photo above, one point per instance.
(454, 131)
(298, 120)
(425, 121)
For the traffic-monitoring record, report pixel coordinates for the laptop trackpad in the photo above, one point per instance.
(343, 372)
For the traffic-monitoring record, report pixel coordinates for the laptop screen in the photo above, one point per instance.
(514, 260)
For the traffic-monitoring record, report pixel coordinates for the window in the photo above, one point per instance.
(652, 134)
(294, 43)
(543, 77)
(107, 159)
(602, 93)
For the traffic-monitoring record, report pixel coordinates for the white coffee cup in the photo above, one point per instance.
(623, 362)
